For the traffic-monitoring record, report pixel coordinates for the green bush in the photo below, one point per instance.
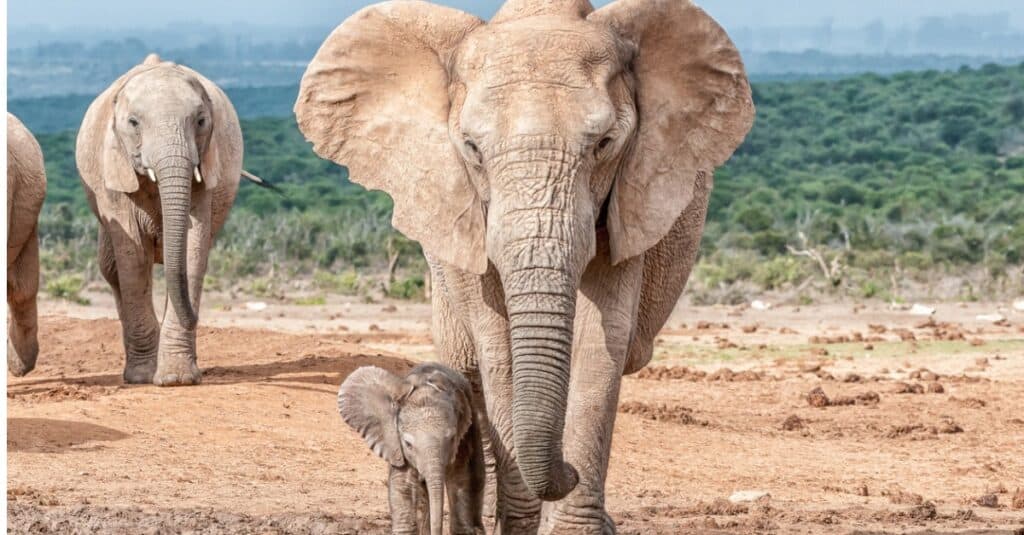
(407, 288)
(344, 283)
(67, 287)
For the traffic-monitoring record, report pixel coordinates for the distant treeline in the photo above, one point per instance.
(920, 172)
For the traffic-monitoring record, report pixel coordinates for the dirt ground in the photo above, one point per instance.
(918, 426)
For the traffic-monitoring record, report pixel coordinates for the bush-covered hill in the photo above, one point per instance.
(912, 173)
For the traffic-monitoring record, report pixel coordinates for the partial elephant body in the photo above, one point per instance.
(555, 164)
(26, 190)
(423, 425)
(160, 156)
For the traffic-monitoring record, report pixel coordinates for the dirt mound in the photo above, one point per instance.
(664, 373)
(684, 373)
(818, 398)
(898, 495)
(88, 519)
(661, 412)
(945, 427)
(793, 423)
(66, 392)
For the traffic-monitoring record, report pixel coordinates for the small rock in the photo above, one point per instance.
(742, 496)
(256, 305)
(793, 423)
(987, 500)
(760, 305)
(921, 310)
(817, 398)
(991, 318)
(935, 388)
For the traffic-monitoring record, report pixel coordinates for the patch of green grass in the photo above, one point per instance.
(310, 300)
(344, 283)
(67, 287)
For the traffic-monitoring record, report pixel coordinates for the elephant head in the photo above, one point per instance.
(513, 143)
(160, 126)
(417, 422)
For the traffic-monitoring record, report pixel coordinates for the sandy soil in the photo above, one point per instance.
(919, 426)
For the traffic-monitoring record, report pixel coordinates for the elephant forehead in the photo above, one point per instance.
(575, 54)
(162, 88)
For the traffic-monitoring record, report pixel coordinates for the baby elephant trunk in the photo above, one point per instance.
(435, 494)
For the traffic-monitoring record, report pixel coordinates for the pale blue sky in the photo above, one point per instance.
(731, 13)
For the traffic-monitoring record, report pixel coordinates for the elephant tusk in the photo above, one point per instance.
(152, 176)
(199, 177)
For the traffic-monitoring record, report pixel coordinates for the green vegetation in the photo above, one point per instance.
(67, 286)
(915, 174)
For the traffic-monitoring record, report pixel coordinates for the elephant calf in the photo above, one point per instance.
(160, 155)
(423, 427)
(26, 189)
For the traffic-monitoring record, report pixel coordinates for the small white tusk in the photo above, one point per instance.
(199, 177)
(151, 175)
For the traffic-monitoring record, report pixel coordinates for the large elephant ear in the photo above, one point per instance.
(694, 109)
(375, 99)
(225, 129)
(367, 401)
(98, 149)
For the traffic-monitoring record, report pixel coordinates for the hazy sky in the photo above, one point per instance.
(731, 13)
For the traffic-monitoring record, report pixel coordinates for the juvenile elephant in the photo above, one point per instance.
(555, 164)
(423, 427)
(26, 189)
(160, 155)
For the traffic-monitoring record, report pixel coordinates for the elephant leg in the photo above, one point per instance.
(455, 346)
(482, 305)
(407, 499)
(131, 279)
(177, 360)
(22, 328)
(605, 313)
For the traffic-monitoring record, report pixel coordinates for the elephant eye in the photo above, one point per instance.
(475, 150)
(602, 145)
(201, 122)
(134, 122)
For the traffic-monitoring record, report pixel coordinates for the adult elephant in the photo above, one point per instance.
(160, 156)
(555, 164)
(26, 189)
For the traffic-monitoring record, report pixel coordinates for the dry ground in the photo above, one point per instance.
(259, 448)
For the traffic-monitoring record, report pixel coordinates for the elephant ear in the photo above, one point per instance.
(375, 99)
(694, 109)
(99, 149)
(367, 401)
(221, 139)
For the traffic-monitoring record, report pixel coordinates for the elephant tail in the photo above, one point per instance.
(261, 183)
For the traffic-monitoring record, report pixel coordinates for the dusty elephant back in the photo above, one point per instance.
(26, 185)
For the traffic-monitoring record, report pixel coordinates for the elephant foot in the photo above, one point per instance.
(139, 371)
(177, 371)
(561, 517)
(21, 358)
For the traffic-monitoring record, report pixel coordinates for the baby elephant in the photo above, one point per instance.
(423, 427)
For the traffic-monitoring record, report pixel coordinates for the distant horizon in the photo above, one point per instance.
(56, 15)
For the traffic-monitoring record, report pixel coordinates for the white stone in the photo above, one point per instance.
(741, 496)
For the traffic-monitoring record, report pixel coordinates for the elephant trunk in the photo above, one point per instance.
(541, 253)
(435, 495)
(541, 327)
(174, 175)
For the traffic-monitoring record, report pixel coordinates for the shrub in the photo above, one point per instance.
(67, 287)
